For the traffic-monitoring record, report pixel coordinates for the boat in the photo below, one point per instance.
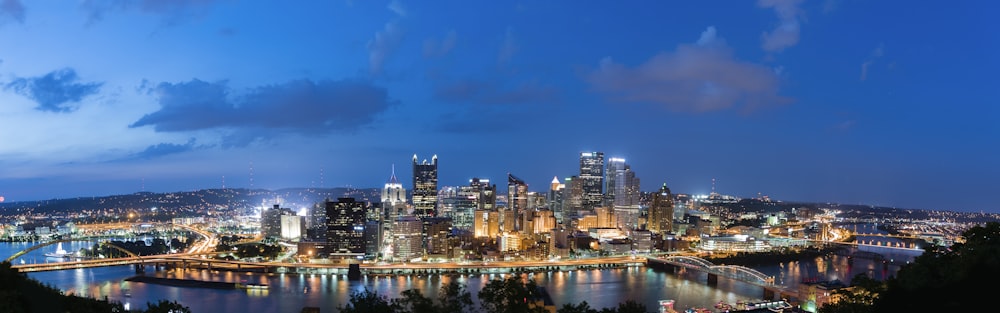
(60, 253)
(251, 286)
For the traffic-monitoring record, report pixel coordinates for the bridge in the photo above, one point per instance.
(49, 243)
(736, 272)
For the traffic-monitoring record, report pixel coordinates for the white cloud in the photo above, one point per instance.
(786, 34)
(697, 77)
(382, 46)
(397, 7)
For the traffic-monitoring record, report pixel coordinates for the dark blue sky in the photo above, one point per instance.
(889, 103)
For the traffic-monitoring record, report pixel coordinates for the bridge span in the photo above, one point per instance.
(771, 291)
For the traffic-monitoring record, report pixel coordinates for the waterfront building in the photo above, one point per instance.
(592, 178)
(425, 185)
(345, 228)
(733, 243)
(661, 212)
(438, 236)
(407, 241)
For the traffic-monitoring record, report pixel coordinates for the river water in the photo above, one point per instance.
(291, 292)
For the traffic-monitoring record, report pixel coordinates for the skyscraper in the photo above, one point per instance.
(393, 205)
(661, 211)
(425, 184)
(517, 193)
(393, 198)
(621, 185)
(592, 178)
(345, 227)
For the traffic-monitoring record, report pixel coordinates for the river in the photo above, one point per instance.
(291, 292)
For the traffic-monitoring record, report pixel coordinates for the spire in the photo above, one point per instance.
(392, 179)
(555, 179)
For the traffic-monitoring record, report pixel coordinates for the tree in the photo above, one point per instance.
(859, 298)
(454, 298)
(582, 307)
(939, 280)
(511, 295)
(413, 301)
(948, 279)
(165, 306)
(368, 301)
(629, 306)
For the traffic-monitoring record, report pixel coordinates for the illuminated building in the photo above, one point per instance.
(345, 228)
(486, 224)
(661, 211)
(425, 185)
(517, 193)
(621, 185)
(407, 241)
(270, 221)
(592, 178)
(291, 227)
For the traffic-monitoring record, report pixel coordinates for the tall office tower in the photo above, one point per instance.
(393, 205)
(517, 194)
(487, 193)
(425, 184)
(316, 224)
(407, 241)
(661, 211)
(621, 185)
(614, 180)
(592, 178)
(270, 221)
(446, 201)
(345, 228)
(573, 197)
(486, 225)
(393, 198)
(555, 198)
(465, 204)
(632, 191)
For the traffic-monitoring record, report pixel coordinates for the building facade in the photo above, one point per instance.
(425, 185)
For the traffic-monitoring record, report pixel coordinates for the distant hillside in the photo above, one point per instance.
(228, 198)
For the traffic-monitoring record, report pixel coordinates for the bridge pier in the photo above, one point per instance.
(768, 294)
(713, 279)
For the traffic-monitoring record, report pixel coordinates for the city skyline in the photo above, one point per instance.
(821, 101)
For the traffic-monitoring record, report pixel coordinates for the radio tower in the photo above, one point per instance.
(251, 178)
(223, 182)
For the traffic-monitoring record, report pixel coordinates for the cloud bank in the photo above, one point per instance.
(299, 107)
(55, 91)
(699, 77)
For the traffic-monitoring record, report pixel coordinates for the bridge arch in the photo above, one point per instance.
(745, 273)
(49, 243)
